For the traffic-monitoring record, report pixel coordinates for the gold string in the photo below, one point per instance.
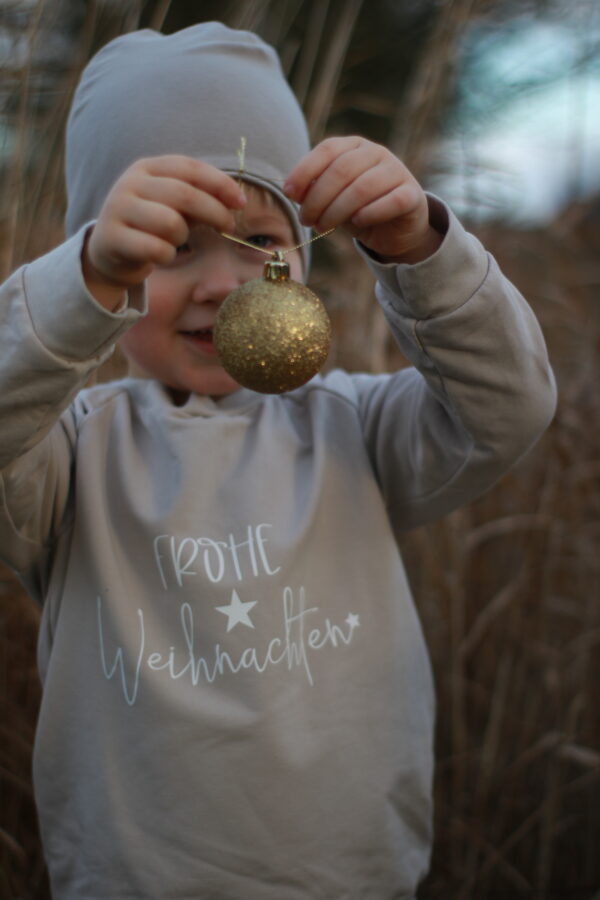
(241, 155)
(238, 240)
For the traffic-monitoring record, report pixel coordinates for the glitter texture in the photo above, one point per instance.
(272, 336)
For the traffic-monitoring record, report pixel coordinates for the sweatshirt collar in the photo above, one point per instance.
(203, 405)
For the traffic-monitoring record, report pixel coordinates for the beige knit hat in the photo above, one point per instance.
(195, 92)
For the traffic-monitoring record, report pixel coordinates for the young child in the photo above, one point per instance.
(237, 696)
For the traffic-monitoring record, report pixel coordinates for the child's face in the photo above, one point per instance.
(173, 342)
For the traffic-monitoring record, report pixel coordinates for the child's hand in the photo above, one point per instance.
(146, 217)
(353, 182)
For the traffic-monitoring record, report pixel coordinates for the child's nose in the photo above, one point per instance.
(215, 280)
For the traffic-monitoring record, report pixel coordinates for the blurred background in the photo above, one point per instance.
(495, 106)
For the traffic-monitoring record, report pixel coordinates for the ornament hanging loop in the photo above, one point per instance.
(276, 268)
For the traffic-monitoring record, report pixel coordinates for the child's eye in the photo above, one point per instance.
(183, 249)
(261, 240)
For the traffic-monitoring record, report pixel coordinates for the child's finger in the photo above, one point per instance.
(198, 174)
(158, 219)
(180, 198)
(141, 248)
(340, 175)
(368, 187)
(129, 258)
(315, 163)
(402, 201)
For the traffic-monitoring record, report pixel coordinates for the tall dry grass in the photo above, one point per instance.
(507, 588)
(509, 594)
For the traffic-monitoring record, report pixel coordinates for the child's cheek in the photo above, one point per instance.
(142, 342)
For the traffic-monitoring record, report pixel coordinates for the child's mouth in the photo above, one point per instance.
(201, 338)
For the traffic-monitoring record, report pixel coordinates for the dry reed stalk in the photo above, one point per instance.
(531, 649)
(333, 53)
(159, 14)
(249, 15)
(430, 85)
(16, 176)
(309, 50)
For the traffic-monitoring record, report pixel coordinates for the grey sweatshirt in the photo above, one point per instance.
(237, 696)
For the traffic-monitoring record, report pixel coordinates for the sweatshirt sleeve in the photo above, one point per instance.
(481, 391)
(53, 334)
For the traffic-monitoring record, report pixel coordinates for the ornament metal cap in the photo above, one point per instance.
(276, 268)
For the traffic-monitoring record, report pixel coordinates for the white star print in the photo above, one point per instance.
(237, 612)
(352, 621)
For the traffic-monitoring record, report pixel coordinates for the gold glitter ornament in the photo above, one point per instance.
(272, 334)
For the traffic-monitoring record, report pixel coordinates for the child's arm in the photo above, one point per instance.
(484, 392)
(60, 317)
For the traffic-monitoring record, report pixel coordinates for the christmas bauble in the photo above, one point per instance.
(272, 334)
